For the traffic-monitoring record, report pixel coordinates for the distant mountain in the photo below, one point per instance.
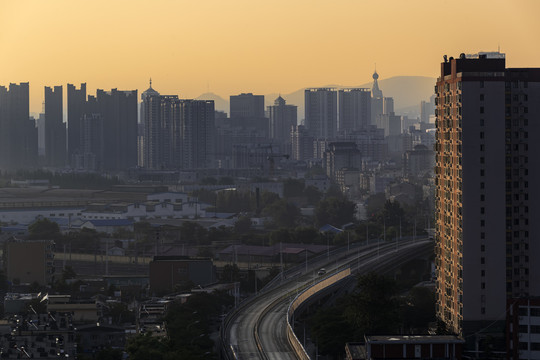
(407, 91)
(219, 103)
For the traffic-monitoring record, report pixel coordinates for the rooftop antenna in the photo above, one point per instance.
(150, 82)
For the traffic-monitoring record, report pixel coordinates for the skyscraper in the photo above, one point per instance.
(486, 198)
(354, 109)
(55, 129)
(119, 112)
(18, 134)
(76, 103)
(178, 133)
(282, 118)
(321, 112)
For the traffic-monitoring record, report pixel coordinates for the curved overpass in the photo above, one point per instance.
(259, 328)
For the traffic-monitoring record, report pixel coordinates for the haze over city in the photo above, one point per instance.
(228, 47)
(260, 179)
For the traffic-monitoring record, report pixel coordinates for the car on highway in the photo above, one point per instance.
(321, 272)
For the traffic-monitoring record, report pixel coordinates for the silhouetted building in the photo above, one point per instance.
(29, 261)
(166, 272)
(150, 118)
(119, 112)
(247, 106)
(354, 109)
(486, 200)
(90, 153)
(76, 108)
(18, 135)
(55, 129)
(321, 112)
(282, 118)
(178, 133)
(341, 155)
(418, 162)
(377, 100)
(301, 143)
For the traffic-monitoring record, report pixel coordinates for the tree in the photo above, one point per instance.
(242, 225)
(144, 347)
(283, 214)
(312, 195)
(374, 307)
(419, 308)
(334, 211)
(44, 229)
(293, 188)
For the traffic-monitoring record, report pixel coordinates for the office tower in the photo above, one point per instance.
(486, 197)
(76, 103)
(247, 106)
(377, 100)
(321, 112)
(55, 129)
(282, 118)
(354, 109)
(301, 143)
(18, 136)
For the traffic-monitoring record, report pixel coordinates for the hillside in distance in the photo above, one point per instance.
(407, 91)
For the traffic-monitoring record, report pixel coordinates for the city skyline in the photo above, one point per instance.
(315, 44)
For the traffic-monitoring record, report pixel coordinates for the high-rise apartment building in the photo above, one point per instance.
(321, 112)
(354, 109)
(177, 133)
(55, 128)
(282, 118)
(18, 134)
(76, 108)
(119, 112)
(486, 194)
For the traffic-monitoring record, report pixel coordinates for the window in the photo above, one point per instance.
(482, 247)
(481, 109)
(482, 260)
(481, 122)
(481, 97)
(483, 285)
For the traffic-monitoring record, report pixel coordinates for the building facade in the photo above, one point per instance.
(55, 129)
(282, 118)
(18, 133)
(354, 109)
(321, 112)
(76, 106)
(485, 199)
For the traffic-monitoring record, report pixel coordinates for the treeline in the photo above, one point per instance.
(67, 180)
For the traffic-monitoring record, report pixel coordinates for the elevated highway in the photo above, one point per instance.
(259, 328)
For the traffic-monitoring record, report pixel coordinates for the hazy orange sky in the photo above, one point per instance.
(258, 46)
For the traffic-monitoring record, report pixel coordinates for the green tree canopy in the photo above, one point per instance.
(44, 229)
(335, 211)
